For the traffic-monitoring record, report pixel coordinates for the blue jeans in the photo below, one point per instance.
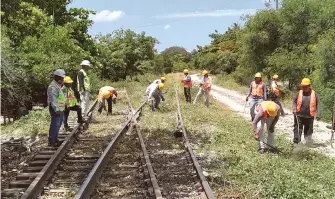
(252, 103)
(56, 123)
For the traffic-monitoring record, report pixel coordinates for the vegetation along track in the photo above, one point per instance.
(178, 172)
(29, 183)
(85, 152)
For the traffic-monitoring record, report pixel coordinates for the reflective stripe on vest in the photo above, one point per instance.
(187, 81)
(257, 90)
(87, 84)
(71, 98)
(312, 103)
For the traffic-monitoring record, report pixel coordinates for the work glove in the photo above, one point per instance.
(271, 129)
(246, 99)
(114, 101)
(318, 118)
(256, 136)
(163, 99)
(57, 113)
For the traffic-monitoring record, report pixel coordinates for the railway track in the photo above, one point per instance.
(29, 183)
(84, 153)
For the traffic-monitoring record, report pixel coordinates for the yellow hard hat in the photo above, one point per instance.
(205, 72)
(67, 80)
(107, 94)
(163, 78)
(275, 76)
(271, 109)
(258, 75)
(305, 82)
(161, 86)
(185, 71)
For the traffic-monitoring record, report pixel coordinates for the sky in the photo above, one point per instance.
(185, 23)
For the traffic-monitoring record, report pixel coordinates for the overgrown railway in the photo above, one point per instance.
(124, 164)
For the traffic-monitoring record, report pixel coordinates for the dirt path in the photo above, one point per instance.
(236, 101)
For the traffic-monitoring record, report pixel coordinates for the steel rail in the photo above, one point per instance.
(153, 178)
(89, 184)
(204, 183)
(36, 187)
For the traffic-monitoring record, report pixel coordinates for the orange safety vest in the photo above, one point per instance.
(257, 90)
(312, 103)
(275, 89)
(207, 84)
(187, 82)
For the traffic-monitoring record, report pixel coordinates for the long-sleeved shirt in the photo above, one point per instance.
(53, 91)
(260, 115)
(305, 110)
(157, 81)
(203, 82)
(81, 77)
(264, 91)
(153, 90)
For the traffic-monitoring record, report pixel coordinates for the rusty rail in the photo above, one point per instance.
(204, 183)
(36, 187)
(88, 186)
(153, 178)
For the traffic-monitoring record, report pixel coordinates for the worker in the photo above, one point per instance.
(265, 112)
(204, 88)
(109, 94)
(257, 91)
(56, 103)
(71, 103)
(306, 106)
(275, 92)
(84, 86)
(161, 80)
(187, 86)
(155, 95)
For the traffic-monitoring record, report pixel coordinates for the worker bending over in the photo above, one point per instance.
(257, 91)
(275, 93)
(106, 93)
(158, 81)
(187, 85)
(155, 95)
(84, 86)
(204, 88)
(306, 106)
(56, 103)
(265, 113)
(71, 103)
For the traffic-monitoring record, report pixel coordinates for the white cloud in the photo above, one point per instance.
(167, 26)
(107, 15)
(215, 13)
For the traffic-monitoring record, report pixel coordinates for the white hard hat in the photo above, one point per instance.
(85, 63)
(60, 73)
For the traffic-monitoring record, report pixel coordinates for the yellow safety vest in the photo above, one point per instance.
(71, 98)
(87, 84)
(60, 100)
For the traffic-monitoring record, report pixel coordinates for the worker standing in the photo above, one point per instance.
(275, 93)
(187, 85)
(265, 113)
(161, 80)
(84, 86)
(155, 95)
(257, 91)
(56, 102)
(109, 94)
(306, 106)
(72, 103)
(204, 88)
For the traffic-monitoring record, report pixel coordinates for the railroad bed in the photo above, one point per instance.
(120, 163)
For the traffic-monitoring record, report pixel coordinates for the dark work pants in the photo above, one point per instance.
(67, 113)
(187, 93)
(302, 123)
(109, 103)
(276, 100)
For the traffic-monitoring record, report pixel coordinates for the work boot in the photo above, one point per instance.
(329, 126)
(261, 150)
(67, 128)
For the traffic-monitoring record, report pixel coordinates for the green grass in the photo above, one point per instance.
(227, 138)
